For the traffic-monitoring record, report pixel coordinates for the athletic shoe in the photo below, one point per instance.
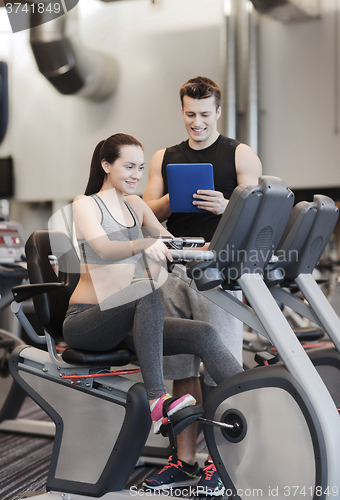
(210, 483)
(175, 474)
(157, 409)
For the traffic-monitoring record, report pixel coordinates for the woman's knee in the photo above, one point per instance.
(208, 330)
(207, 336)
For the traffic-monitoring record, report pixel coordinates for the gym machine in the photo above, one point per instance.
(278, 429)
(13, 272)
(308, 231)
(268, 397)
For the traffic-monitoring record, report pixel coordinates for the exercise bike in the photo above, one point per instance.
(264, 397)
(307, 233)
(102, 423)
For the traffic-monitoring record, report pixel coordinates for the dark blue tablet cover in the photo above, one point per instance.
(184, 179)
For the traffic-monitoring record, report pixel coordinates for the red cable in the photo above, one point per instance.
(74, 376)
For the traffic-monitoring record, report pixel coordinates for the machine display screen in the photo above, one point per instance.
(12, 241)
(9, 237)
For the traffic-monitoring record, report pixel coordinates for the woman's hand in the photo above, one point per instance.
(158, 251)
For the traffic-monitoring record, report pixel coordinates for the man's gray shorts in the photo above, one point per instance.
(181, 301)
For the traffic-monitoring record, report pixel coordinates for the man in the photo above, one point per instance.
(233, 164)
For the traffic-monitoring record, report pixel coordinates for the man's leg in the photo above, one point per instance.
(186, 440)
(177, 305)
(231, 332)
(181, 469)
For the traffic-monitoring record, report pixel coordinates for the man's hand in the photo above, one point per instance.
(213, 201)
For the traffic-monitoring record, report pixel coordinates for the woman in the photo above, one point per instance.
(108, 306)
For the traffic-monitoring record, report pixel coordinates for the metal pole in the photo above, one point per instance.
(253, 81)
(230, 8)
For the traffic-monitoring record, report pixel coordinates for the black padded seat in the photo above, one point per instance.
(115, 357)
(309, 333)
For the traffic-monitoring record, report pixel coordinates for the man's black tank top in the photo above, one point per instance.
(221, 154)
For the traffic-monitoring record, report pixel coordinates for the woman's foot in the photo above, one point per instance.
(177, 404)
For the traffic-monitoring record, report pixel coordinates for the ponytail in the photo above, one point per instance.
(97, 174)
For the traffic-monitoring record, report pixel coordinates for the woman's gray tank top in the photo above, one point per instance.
(115, 232)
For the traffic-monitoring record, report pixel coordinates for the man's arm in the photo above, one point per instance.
(248, 169)
(154, 192)
(248, 165)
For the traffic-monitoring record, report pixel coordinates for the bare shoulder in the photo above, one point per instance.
(86, 216)
(85, 206)
(246, 157)
(159, 154)
(155, 187)
(137, 205)
(248, 165)
(243, 151)
(141, 209)
(156, 161)
(81, 201)
(134, 200)
(80, 197)
(84, 201)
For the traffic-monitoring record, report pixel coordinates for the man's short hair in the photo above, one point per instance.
(201, 87)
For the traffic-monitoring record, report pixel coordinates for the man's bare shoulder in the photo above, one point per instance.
(245, 153)
(248, 165)
(242, 148)
(157, 159)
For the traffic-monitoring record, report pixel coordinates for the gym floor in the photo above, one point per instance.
(24, 460)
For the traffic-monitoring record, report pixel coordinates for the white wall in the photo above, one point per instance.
(157, 46)
(298, 141)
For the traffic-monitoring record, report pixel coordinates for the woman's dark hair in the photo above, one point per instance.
(201, 87)
(108, 150)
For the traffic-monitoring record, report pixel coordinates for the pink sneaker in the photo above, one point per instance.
(178, 404)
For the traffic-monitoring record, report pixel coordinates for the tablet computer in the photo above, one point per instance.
(184, 179)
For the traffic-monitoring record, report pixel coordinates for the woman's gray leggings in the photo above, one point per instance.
(140, 326)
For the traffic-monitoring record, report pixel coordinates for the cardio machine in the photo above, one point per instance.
(280, 409)
(307, 233)
(102, 423)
